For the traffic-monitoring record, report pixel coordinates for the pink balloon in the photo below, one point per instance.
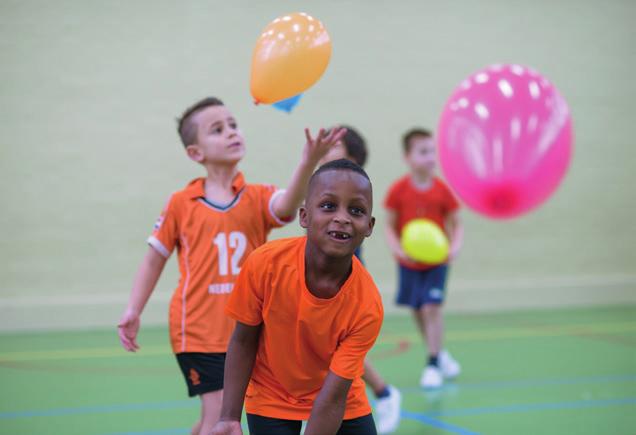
(505, 140)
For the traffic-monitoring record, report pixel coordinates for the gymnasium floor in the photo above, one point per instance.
(529, 372)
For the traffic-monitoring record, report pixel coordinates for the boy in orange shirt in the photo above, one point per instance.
(214, 223)
(307, 313)
(420, 194)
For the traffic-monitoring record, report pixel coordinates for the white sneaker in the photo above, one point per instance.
(431, 378)
(449, 366)
(387, 411)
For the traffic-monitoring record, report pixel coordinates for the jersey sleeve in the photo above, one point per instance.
(450, 201)
(165, 234)
(268, 195)
(245, 303)
(392, 198)
(348, 359)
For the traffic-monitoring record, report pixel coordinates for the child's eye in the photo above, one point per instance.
(357, 211)
(327, 205)
(233, 125)
(217, 130)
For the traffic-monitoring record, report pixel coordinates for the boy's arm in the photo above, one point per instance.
(329, 406)
(455, 231)
(285, 205)
(392, 236)
(239, 363)
(147, 276)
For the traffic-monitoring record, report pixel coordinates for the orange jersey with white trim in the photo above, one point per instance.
(212, 242)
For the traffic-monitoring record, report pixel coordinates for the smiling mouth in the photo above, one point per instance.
(339, 235)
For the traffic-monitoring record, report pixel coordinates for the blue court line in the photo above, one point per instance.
(528, 407)
(99, 409)
(529, 383)
(438, 424)
(177, 431)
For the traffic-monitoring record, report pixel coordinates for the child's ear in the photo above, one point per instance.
(195, 153)
(302, 217)
(370, 229)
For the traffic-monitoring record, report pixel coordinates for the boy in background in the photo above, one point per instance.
(420, 194)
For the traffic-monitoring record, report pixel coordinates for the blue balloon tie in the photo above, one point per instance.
(288, 104)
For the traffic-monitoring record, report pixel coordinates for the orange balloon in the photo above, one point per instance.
(291, 54)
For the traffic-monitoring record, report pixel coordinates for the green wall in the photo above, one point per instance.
(90, 92)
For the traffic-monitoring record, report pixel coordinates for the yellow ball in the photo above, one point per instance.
(424, 241)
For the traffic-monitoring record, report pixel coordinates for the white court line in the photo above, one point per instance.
(536, 283)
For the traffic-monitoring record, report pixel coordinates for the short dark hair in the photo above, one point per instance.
(412, 134)
(355, 145)
(186, 128)
(338, 165)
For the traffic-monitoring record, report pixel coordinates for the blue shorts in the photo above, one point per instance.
(421, 287)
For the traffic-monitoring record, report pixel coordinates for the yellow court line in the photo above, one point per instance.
(523, 332)
(452, 336)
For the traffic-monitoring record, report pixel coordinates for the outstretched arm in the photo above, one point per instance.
(329, 406)
(286, 205)
(145, 282)
(239, 363)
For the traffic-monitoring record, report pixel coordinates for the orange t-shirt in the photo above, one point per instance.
(409, 202)
(212, 243)
(303, 337)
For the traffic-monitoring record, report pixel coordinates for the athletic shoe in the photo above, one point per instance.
(449, 366)
(387, 411)
(431, 378)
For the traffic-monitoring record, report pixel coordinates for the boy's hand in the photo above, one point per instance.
(227, 428)
(454, 253)
(128, 327)
(401, 255)
(316, 149)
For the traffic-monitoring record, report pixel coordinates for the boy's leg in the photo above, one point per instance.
(433, 321)
(210, 411)
(358, 426)
(373, 378)
(197, 427)
(418, 315)
(432, 290)
(203, 373)
(260, 425)
(388, 399)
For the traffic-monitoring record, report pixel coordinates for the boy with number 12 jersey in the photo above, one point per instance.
(214, 223)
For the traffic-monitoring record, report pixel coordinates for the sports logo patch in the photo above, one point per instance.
(158, 223)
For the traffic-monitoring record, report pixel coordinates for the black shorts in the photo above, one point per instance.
(260, 425)
(203, 372)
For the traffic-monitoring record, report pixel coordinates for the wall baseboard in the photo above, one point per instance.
(68, 312)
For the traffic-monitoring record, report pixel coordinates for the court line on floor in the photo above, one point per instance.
(451, 336)
(488, 385)
(529, 407)
(100, 409)
(176, 431)
(430, 420)
(55, 412)
(438, 424)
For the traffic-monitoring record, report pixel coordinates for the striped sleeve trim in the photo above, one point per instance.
(158, 246)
